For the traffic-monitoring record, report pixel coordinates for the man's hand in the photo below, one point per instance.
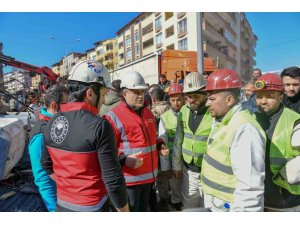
(164, 151)
(177, 173)
(134, 161)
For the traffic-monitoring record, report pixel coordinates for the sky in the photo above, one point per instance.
(26, 36)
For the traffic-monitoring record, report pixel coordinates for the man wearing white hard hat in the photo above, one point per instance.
(135, 131)
(81, 154)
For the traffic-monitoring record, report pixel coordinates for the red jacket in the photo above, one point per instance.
(135, 134)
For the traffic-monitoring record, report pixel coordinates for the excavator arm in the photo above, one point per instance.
(10, 61)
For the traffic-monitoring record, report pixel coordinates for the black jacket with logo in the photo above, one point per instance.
(81, 151)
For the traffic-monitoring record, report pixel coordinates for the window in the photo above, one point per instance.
(129, 54)
(169, 31)
(158, 39)
(182, 45)
(182, 27)
(136, 35)
(121, 45)
(171, 47)
(121, 56)
(137, 49)
(128, 41)
(158, 23)
(168, 15)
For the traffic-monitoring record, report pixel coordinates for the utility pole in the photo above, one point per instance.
(199, 43)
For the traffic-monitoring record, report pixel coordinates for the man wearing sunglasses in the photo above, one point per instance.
(282, 127)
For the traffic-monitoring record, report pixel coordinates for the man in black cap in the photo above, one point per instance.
(163, 82)
(291, 81)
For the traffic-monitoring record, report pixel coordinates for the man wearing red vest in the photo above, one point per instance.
(134, 127)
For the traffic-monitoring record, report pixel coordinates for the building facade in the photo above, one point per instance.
(17, 80)
(227, 38)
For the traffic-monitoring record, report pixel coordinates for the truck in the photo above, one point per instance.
(174, 64)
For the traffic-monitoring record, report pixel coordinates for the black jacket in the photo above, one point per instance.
(82, 153)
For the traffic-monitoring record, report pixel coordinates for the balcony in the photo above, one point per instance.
(180, 15)
(216, 35)
(108, 62)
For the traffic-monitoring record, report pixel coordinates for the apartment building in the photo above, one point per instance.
(68, 62)
(227, 38)
(17, 80)
(107, 53)
(35, 81)
(57, 67)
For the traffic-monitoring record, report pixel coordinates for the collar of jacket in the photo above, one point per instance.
(123, 103)
(74, 106)
(44, 114)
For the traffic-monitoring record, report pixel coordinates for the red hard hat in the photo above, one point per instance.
(175, 89)
(223, 79)
(269, 81)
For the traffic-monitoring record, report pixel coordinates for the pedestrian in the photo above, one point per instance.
(282, 126)
(54, 96)
(134, 127)
(233, 168)
(163, 82)
(256, 74)
(250, 102)
(81, 154)
(167, 130)
(291, 81)
(193, 128)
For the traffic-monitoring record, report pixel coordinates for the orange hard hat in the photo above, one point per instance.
(269, 81)
(175, 89)
(223, 79)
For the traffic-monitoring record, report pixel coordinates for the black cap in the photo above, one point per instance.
(293, 71)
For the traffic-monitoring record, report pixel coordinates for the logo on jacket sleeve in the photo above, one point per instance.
(59, 129)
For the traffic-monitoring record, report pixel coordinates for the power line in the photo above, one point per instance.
(278, 44)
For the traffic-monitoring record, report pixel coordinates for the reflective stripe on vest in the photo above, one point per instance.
(194, 145)
(137, 178)
(120, 127)
(217, 176)
(140, 174)
(281, 150)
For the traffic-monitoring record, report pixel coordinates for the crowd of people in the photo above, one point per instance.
(127, 146)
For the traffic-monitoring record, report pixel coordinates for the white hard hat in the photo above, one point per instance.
(193, 82)
(133, 80)
(90, 71)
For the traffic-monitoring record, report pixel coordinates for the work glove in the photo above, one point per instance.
(134, 161)
(291, 171)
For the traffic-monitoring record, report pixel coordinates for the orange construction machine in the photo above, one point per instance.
(177, 64)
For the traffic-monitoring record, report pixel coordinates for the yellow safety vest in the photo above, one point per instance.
(281, 150)
(217, 176)
(194, 145)
(169, 120)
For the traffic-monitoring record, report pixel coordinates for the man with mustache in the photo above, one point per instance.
(282, 126)
(291, 81)
(233, 167)
(193, 128)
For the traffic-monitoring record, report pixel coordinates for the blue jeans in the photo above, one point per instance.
(139, 197)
